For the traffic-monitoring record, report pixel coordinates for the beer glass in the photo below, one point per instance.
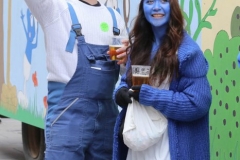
(115, 44)
(140, 74)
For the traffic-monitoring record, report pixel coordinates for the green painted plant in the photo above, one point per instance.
(225, 82)
(24, 115)
(235, 22)
(225, 109)
(202, 22)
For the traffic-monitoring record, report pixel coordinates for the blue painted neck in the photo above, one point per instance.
(159, 33)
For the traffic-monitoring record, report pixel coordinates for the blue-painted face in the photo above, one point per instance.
(157, 12)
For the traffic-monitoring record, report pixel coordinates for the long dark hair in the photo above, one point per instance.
(141, 39)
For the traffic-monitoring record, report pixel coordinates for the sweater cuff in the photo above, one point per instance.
(150, 96)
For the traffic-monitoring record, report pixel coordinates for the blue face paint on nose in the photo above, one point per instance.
(157, 12)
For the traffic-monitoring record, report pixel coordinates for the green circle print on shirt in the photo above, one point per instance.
(104, 26)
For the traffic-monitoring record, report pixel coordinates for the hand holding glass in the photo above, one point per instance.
(116, 44)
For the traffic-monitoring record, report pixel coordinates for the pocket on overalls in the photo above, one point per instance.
(102, 79)
(67, 106)
(65, 134)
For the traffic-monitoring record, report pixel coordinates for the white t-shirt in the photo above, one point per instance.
(55, 20)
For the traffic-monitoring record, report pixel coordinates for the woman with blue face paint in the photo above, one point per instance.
(158, 39)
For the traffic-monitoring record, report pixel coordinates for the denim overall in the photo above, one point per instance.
(81, 114)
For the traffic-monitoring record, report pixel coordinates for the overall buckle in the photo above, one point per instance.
(77, 28)
(116, 31)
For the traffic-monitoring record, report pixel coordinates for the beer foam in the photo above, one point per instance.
(116, 45)
(120, 37)
(140, 75)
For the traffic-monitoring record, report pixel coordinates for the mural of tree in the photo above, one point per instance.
(1, 47)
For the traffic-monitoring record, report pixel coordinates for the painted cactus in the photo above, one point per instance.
(225, 109)
(235, 22)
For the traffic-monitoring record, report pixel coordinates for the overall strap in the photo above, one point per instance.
(116, 31)
(75, 29)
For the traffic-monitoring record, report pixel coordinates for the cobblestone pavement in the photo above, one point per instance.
(10, 140)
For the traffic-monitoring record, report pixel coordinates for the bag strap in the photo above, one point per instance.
(76, 29)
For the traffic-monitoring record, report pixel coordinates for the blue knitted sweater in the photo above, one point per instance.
(186, 105)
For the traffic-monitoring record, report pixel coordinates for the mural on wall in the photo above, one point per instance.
(9, 91)
(222, 47)
(31, 34)
(23, 95)
(224, 113)
(194, 12)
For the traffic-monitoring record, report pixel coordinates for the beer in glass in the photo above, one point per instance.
(112, 51)
(140, 74)
(114, 45)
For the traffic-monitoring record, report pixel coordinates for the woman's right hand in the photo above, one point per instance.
(122, 54)
(123, 97)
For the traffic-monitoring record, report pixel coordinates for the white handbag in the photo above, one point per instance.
(143, 126)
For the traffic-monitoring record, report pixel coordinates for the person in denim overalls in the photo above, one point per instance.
(81, 113)
(85, 106)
